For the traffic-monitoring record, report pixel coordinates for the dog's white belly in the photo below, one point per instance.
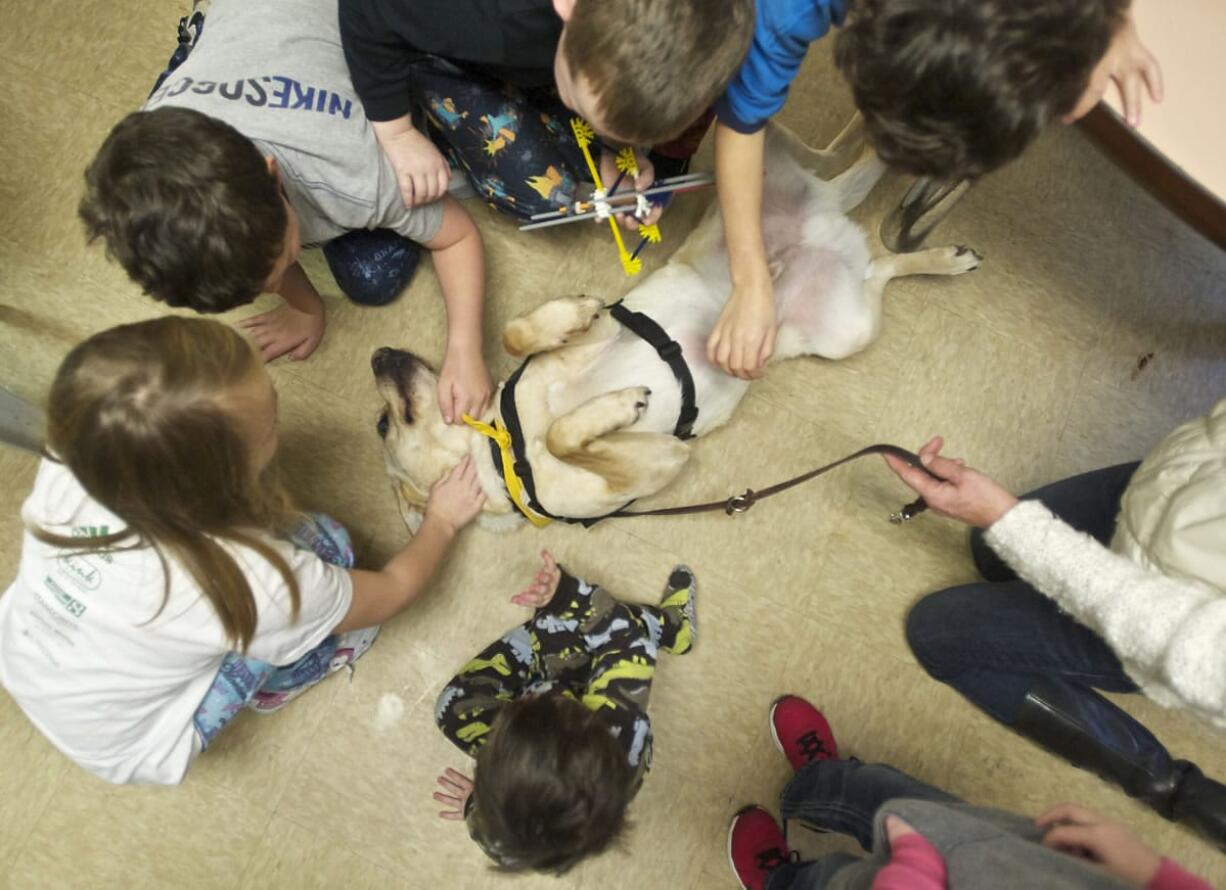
(687, 307)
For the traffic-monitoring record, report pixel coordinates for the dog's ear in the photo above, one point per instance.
(411, 506)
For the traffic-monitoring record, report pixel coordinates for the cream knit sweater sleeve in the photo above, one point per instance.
(1169, 634)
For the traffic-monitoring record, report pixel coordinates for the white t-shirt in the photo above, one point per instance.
(112, 686)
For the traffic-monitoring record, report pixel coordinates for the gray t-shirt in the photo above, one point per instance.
(274, 70)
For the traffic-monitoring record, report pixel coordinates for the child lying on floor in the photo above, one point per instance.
(555, 714)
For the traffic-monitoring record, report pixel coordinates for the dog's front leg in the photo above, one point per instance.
(592, 438)
(561, 322)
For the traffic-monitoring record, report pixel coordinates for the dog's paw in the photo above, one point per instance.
(963, 259)
(551, 325)
(631, 403)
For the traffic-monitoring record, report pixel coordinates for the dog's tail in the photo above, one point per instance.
(853, 184)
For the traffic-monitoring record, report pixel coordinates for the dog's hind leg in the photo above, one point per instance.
(828, 162)
(592, 438)
(933, 261)
(558, 323)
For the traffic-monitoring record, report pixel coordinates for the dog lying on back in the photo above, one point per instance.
(597, 405)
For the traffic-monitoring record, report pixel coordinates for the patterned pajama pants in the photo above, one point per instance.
(244, 682)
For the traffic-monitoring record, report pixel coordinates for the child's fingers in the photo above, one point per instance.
(452, 815)
(1067, 813)
(1152, 73)
(1069, 838)
(1130, 95)
(457, 778)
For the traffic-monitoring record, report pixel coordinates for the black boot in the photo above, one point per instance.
(1201, 803)
(1063, 724)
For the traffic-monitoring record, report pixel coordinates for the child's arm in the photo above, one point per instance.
(378, 596)
(915, 864)
(468, 705)
(294, 327)
(464, 385)
(744, 336)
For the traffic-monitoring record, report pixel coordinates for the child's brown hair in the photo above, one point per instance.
(656, 65)
(551, 786)
(139, 414)
(956, 88)
(188, 207)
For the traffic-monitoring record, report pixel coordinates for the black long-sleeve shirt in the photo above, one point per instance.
(512, 41)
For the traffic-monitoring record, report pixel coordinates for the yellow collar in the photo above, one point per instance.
(515, 485)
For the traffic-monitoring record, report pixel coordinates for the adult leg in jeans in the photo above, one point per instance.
(1013, 653)
(842, 796)
(1089, 503)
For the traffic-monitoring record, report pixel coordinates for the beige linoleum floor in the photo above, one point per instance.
(1028, 367)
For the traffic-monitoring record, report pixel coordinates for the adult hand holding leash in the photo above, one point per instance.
(957, 491)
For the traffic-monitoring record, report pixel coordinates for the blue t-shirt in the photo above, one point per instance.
(782, 32)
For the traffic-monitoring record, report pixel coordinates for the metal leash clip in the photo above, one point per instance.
(910, 511)
(740, 503)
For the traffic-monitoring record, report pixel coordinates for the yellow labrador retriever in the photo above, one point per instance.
(598, 405)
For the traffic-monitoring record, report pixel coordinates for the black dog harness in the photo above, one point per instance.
(646, 329)
(511, 461)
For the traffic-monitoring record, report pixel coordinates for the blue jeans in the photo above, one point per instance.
(371, 266)
(842, 796)
(240, 678)
(993, 639)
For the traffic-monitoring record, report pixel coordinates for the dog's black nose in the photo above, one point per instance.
(378, 360)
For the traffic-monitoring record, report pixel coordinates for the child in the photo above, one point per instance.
(942, 842)
(254, 147)
(498, 84)
(555, 713)
(949, 89)
(156, 593)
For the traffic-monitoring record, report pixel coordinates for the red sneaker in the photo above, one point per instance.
(801, 732)
(756, 847)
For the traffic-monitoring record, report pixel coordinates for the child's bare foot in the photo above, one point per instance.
(285, 330)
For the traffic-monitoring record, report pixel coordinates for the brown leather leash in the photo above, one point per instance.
(741, 503)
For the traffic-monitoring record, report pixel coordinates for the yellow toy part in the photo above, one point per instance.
(626, 161)
(584, 134)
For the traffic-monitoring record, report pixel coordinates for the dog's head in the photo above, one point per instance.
(420, 446)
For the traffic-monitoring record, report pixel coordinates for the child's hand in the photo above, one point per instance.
(744, 336)
(457, 788)
(1087, 835)
(285, 330)
(457, 498)
(958, 491)
(647, 175)
(464, 386)
(1131, 66)
(540, 592)
(421, 170)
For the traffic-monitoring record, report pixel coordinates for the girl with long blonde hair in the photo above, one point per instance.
(165, 581)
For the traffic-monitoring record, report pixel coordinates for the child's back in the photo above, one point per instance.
(106, 672)
(275, 71)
